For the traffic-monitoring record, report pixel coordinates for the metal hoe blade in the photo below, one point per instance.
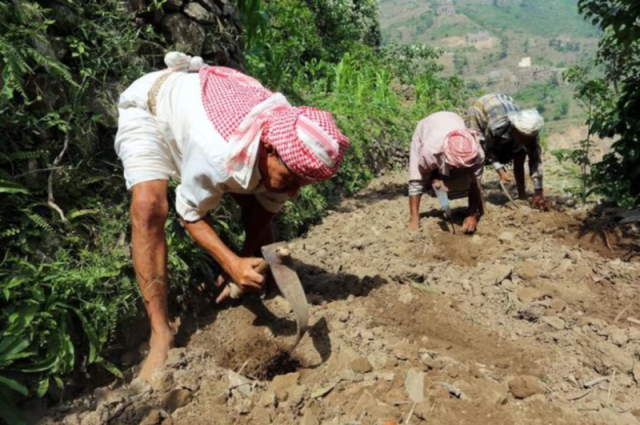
(444, 201)
(279, 259)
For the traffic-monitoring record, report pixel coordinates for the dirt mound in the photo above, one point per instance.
(530, 321)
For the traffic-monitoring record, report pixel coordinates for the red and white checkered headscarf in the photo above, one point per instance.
(244, 112)
(461, 148)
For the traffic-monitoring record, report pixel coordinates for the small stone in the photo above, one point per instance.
(636, 373)
(385, 376)
(268, 399)
(360, 365)
(634, 334)
(506, 237)
(558, 305)
(618, 336)
(501, 272)
(564, 266)
(528, 271)
(529, 295)
(414, 385)
(282, 383)
(509, 285)
(466, 285)
(553, 321)
(525, 386)
(476, 240)
(176, 399)
(153, 418)
(177, 358)
(240, 383)
(162, 381)
(72, 419)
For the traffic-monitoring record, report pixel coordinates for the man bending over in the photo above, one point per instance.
(510, 134)
(444, 152)
(215, 130)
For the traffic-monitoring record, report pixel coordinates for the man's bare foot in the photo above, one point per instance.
(159, 347)
(414, 225)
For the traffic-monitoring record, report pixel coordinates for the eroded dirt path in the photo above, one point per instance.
(515, 325)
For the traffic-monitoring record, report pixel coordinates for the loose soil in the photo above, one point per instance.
(514, 325)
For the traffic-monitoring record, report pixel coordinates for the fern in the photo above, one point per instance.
(40, 221)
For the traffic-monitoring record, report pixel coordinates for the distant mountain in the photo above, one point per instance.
(506, 45)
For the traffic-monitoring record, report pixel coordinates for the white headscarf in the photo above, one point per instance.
(528, 121)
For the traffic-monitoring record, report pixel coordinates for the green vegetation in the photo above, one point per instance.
(66, 277)
(613, 101)
(551, 102)
(537, 17)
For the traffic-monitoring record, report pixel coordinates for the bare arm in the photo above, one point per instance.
(240, 269)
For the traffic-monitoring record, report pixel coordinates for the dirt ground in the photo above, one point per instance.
(526, 322)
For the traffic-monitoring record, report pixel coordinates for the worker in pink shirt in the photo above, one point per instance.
(445, 152)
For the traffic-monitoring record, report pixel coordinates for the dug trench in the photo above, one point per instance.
(526, 322)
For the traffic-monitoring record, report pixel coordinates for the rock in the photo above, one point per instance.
(501, 272)
(175, 399)
(618, 336)
(564, 266)
(199, 13)
(636, 373)
(177, 358)
(360, 365)
(239, 382)
(72, 419)
(532, 312)
(525, 386)
(211, 6)
(606, 357)
(92, 418)
(476, 240)
(493, 392)
(527, 271)
(385, 376)
(162, 381)
(281, 384)
(506, 237)
(529, 295)
(309, 418)
(186, 34)
(509, 285)
(634, 334)
(139, 386)
(414, 385)
(558, 305)
(555, 322)
(153, 418)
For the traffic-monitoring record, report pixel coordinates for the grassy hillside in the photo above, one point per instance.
(484, 41)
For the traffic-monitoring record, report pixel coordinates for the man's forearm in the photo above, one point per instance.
(205, 236)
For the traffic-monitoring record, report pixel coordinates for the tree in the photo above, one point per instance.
(618, 174)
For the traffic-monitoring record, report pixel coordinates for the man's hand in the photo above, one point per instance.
(242, 272)
(539, 201)
(504, 176)
(439, 184)
(470, 224)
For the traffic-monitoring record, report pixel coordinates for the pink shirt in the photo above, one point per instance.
(427, 142)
